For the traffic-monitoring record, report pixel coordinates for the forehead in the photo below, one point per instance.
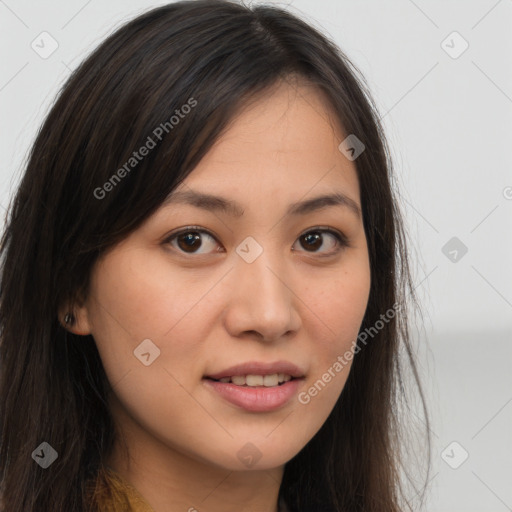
(283, 144)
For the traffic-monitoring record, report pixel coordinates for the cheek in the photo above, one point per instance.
(337, 311)
(138, 292)
(135, 300)
(136, 297)
(339, 307)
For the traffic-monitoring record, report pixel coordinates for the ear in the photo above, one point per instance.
(75, 319)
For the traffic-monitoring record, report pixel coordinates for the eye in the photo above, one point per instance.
(190, 240)
(314, 239)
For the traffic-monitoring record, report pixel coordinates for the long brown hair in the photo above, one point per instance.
(53, 387)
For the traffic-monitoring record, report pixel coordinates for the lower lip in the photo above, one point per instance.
(258, 399)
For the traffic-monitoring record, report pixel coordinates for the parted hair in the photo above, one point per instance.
(53, 387)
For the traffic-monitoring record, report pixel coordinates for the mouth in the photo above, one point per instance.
(257, 387)
(255, 398)
(255, 373)
(256, 381)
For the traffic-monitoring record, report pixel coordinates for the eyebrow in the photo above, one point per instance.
(215, 203)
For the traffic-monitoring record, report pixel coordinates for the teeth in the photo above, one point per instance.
(239, 380)
(271, 380)
(254, 380)
(257, 380)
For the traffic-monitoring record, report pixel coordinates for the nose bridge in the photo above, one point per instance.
(262, 297)
(259, 265)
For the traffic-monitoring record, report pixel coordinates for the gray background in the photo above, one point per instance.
(448, 117)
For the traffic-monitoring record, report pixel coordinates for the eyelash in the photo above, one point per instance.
(340, 237)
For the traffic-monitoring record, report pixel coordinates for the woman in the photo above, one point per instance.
(204, 279)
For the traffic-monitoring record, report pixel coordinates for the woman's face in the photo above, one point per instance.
(266, 286)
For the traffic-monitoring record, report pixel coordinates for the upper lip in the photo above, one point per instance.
(259, 368)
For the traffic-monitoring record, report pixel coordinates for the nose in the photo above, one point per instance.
(262, 302)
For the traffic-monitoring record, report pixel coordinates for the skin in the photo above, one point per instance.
(210, 309)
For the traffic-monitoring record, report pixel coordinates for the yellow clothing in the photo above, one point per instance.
(112, 493)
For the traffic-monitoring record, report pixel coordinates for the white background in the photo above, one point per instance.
(449, 122)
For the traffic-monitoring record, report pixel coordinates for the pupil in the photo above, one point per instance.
(190, 239)
(314, 237)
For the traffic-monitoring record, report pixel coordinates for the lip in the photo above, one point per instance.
(255, 399)
(260, 368)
